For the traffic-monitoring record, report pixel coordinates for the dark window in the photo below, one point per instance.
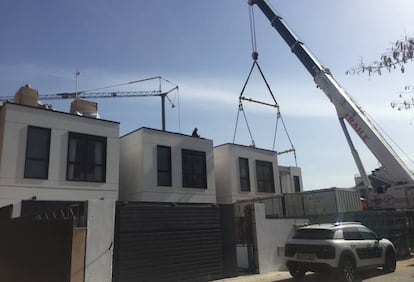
(366, 233)
(86, 158)
(264, 172)
(352, 233)
(296, 182)
(314, 234)
(194, 169)
(37, 153)
(244, 174)
(164, 165)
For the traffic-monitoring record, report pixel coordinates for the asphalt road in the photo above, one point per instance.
(403, 273)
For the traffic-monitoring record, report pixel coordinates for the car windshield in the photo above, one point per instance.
(314, 234)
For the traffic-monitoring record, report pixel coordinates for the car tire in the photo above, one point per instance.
(390, 262)
(297, 272)
(347, 269)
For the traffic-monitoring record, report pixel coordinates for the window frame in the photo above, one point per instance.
(244, 179)
(193, 179)
(296, 183)
(28, 158)
(168, 170)
(261, 178)
(84, 165)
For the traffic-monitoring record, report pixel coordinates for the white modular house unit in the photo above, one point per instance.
(290, 179)
(161, 166)
(51, 155)
(244, 172)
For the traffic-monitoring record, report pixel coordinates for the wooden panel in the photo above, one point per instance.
(77, 272)
(35, 251)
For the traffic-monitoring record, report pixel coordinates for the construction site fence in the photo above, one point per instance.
(395, 225)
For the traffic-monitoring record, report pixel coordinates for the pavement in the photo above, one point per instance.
(404, 272)
(267, 277)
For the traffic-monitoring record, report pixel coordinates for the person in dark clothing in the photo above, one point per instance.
(195, 133)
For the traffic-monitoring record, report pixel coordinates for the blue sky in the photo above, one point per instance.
(204, 47)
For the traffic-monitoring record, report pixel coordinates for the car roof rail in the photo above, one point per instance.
(346, 223)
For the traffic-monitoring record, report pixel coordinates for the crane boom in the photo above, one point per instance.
(346, 107)
(91, 95)
(112, 94)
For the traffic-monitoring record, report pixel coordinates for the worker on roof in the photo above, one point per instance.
(195, 133)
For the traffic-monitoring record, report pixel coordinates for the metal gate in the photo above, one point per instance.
(171, 242)
(246, 238)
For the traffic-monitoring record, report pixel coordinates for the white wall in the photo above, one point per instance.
(227, 171)
(225, 174)
(271, 235)
(138, 165)
(287, 174)
(15, 120)
(130, 166)
(100, 241)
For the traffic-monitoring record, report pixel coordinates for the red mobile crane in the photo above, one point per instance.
(347, 109)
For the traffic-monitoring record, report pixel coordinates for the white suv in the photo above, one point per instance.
(343, 247)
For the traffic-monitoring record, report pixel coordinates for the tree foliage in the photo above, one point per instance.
(404, 103)
(400, 53)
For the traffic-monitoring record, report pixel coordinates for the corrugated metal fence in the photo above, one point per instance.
(173, 242)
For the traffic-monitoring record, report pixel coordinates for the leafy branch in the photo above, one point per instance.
(401, 52)
(404, 103)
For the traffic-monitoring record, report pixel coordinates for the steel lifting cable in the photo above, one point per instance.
(252, 30)
(241, 97)
(292, 149)
(245, 119)
(254, 56)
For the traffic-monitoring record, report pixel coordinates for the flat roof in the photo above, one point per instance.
(8, 103)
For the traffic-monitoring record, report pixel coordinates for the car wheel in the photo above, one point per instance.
(347, 269)
(390, 262)
(296, 272)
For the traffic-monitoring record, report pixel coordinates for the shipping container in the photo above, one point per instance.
(397, 197)
(274, 206)
(332, 200)
(293, 205)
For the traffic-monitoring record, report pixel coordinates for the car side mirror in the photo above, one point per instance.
(378, 238)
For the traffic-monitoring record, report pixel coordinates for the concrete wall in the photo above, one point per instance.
(99, 241)
(271, 235)
(138, 167)
(227, 171)
(13, 186)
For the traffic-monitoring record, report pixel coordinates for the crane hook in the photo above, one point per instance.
(255, 55)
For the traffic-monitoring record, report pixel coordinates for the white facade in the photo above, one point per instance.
(14, 186)
(271, 236)
(227, 169)
(290, 179)
(140, 171)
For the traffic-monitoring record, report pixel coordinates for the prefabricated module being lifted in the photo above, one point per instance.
(347, 109)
